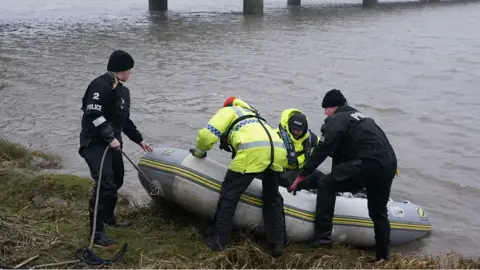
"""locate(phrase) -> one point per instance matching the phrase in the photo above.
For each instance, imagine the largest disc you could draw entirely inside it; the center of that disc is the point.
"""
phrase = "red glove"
(297, 181)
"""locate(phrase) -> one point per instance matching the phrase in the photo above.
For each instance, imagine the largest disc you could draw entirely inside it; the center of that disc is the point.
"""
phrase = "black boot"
(381, 247)
(110, 219)
(321, 241)
(100, 238)
(381, 253)
(214, 243)
(276, 250)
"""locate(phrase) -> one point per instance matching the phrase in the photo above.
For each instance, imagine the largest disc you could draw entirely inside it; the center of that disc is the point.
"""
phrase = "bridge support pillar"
(294, 2)
(158, 5)
(252, 6)
(369, 3)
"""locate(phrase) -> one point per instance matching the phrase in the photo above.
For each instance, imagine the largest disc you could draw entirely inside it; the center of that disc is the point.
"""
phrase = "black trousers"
(350, 177)
(112, 180)
(233, 186)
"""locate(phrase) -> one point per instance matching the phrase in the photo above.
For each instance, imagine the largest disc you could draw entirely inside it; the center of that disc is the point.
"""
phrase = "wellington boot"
(321, 242)
(101, 239)
(214, 243)
(277, 251)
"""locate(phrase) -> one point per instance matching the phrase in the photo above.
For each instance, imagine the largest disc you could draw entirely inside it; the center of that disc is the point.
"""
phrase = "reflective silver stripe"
(238, 111)
(244, 146)
(100, 120)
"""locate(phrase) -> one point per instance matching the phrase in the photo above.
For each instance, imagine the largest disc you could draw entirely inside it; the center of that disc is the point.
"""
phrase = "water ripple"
(414, 73)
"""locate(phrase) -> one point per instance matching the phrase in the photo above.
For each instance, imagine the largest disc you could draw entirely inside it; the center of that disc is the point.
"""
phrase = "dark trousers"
(112, 180)
(350, 177)
(233, 187)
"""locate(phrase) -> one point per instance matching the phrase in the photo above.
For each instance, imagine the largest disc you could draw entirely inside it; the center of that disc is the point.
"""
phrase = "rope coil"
(86, 255)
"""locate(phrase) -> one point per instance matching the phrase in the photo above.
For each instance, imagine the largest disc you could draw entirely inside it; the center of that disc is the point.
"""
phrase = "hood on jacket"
(285, 117)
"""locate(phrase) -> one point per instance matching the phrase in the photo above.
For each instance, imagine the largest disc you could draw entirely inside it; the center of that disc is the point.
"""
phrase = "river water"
(411, 66)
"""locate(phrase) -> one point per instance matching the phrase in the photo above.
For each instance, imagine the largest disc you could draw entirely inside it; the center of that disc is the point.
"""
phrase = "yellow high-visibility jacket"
(248, 139)
(298, 144)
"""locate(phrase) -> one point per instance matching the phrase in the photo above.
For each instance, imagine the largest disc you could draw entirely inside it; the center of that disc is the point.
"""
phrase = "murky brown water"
(413, 67)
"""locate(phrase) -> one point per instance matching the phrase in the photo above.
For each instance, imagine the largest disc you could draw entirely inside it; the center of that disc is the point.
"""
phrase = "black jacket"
(106, 112)
(349, 135)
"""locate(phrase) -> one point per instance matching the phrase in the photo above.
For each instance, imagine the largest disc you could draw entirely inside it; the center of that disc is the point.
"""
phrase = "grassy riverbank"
(46, 215)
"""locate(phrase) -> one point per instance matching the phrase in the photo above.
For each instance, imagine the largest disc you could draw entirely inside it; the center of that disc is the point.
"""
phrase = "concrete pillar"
(294, 2)
(252, 6)
(369, 3)
(158, 5)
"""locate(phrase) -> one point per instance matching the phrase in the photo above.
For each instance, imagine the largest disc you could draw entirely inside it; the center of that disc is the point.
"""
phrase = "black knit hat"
(333, 98)
(298, 121)
(120, 61)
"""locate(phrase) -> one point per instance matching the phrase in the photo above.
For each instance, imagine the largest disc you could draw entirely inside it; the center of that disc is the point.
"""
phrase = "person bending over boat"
(362, 157)
(255, 149)
(299, 141)
(106, 114)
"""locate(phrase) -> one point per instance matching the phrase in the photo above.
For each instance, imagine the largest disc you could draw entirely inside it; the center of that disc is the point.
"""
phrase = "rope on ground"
(26, 261)
(54, 264)
(86, 255)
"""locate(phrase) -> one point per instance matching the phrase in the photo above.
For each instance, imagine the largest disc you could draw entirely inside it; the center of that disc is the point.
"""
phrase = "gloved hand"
(224, 144)
(225, 147)
(295, 186)
(198, 153)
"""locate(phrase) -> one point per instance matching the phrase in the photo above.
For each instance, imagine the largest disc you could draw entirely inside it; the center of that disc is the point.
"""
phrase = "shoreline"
(45, 214)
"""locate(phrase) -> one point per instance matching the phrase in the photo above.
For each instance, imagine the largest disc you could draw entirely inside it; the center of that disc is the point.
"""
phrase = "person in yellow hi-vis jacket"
(256, 149)
(298, 140)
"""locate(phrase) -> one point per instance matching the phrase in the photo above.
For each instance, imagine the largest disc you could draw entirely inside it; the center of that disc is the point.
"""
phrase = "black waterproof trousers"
(350, 177)
(233, 186)
(112, 180)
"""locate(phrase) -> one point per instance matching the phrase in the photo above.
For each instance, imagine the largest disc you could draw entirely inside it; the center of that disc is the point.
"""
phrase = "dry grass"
(16, 155)
(163, 235)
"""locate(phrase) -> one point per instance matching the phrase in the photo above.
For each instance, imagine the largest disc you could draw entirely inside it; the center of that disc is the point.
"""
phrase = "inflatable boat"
(193, 183)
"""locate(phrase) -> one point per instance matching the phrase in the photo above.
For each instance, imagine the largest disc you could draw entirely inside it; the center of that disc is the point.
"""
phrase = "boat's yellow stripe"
(258, 201)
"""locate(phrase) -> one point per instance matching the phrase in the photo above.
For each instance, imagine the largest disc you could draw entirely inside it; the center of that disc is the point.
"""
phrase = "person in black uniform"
(362, 157)
(106, 114)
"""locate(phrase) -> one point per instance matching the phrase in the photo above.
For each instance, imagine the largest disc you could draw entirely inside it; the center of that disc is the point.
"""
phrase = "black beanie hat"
(298, 121)
(333, 98)
(120, 61)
